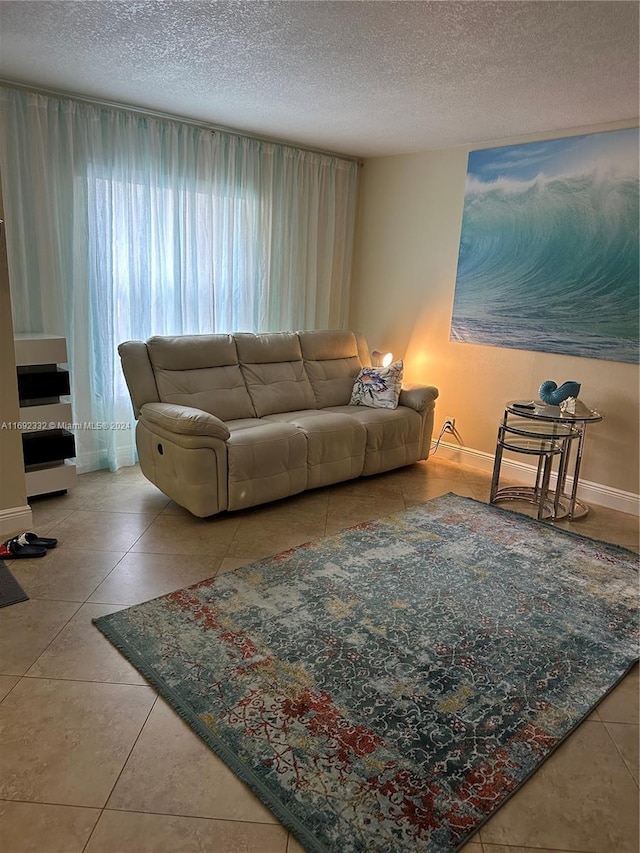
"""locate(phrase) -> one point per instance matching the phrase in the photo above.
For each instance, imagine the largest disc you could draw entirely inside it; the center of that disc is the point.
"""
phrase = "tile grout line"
(618, 750)
(124, 764)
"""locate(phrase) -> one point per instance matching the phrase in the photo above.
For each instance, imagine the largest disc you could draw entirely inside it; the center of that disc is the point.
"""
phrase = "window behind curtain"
(172, 261)
(121, 226)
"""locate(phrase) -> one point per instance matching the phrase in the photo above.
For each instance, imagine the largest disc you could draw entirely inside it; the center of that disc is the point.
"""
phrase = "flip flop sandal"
(13, 550)
(34, 539)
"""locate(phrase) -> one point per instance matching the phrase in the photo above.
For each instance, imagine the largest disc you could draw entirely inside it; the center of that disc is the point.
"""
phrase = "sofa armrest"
(418, 397)
(183, 420)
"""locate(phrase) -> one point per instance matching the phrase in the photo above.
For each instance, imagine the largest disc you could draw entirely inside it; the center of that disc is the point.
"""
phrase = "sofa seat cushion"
(242, 423)
(287, 417)
(265, 462)
(335, 445)
(393, 436)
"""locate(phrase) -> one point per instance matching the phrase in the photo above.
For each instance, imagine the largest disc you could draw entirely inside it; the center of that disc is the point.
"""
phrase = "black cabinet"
(40, 382)
(45, 420)
(41, 447)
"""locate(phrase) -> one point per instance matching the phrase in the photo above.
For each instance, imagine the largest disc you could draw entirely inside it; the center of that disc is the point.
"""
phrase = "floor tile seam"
(78, 601)
(55, 636)
(57, 805)
(474, 840)
(12, 688)
(121, 604)
(476, 474)
(62, 547)
(128, 512)
(93, 829)
(227, 545)
(220, 561)
(84, 680)
(175, 554)
(104, 579)
(45, 528)
(131, 483)
(133, 746)
(50, 803)
(620, 722)
(108, 808)
(324, 532)
(289, 519)
(64, 512)
(619, 751)
(152, 515)
(289, 528)
(490, 847)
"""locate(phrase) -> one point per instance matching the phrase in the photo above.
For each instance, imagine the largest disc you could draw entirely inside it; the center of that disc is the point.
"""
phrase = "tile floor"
(92, 760)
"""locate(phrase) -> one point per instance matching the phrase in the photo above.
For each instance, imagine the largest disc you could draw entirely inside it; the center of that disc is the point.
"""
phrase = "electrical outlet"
(450, 425)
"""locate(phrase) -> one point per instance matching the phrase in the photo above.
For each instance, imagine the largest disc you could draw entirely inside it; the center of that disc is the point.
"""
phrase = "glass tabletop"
(540, 428)
(530, 444)
(537, 410)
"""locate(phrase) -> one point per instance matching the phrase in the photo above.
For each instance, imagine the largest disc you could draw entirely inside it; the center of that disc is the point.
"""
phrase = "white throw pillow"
(378, 387)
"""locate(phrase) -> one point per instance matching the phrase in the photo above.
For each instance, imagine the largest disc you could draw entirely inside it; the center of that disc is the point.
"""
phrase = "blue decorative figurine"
(553, 396)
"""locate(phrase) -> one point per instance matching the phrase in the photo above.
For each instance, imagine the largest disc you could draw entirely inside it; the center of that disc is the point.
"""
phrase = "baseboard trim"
(596, 493)
(16, 519)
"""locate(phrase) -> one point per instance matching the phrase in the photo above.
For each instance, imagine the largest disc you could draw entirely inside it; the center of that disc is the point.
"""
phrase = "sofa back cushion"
(138, 374)
(200, 371)
(332, 363)
(274, 373)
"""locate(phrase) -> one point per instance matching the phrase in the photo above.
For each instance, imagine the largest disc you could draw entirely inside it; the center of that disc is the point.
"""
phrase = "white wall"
(406, 251)
(15, 514)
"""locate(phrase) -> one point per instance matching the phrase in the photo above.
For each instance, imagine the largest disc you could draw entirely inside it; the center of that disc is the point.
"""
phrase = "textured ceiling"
(361, 78)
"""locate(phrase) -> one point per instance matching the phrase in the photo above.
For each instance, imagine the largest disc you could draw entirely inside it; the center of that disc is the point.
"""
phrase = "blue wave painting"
(549, 251)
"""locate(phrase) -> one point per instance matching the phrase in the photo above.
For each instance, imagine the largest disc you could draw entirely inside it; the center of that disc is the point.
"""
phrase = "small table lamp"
(381, 359)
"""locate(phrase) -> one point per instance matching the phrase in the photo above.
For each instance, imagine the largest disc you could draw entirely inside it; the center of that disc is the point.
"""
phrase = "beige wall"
(407, 238)
(13, 494)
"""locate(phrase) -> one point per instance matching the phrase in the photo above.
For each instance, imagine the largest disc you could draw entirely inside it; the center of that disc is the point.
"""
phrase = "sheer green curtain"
(121, 226)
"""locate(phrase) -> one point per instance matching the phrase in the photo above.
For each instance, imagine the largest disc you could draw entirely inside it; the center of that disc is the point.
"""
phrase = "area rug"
(387, 688)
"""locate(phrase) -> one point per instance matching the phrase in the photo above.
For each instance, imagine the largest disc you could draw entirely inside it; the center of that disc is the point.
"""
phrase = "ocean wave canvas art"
(549, 250)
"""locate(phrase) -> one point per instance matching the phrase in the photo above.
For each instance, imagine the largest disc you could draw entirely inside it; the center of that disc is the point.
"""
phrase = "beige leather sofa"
(226, 422)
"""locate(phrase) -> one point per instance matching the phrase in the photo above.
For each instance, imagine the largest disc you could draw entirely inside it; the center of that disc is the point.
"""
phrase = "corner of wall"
(15, 514)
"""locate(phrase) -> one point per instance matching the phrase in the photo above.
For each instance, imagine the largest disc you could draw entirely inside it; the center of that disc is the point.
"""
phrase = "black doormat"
(10, 590)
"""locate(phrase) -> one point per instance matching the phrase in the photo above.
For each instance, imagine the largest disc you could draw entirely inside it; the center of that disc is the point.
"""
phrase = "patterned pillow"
(378, 387)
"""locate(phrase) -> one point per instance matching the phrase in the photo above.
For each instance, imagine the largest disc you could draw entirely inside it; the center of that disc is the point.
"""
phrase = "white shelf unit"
(40, 354)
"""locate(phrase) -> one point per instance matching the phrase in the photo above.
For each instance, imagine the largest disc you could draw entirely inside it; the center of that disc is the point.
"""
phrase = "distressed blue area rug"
(386, 689)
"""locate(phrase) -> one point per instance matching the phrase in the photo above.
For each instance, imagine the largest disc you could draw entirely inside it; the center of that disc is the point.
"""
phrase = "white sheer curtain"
(121, 226)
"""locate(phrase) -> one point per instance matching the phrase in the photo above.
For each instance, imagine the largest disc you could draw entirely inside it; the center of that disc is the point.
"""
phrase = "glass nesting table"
(553, 435)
